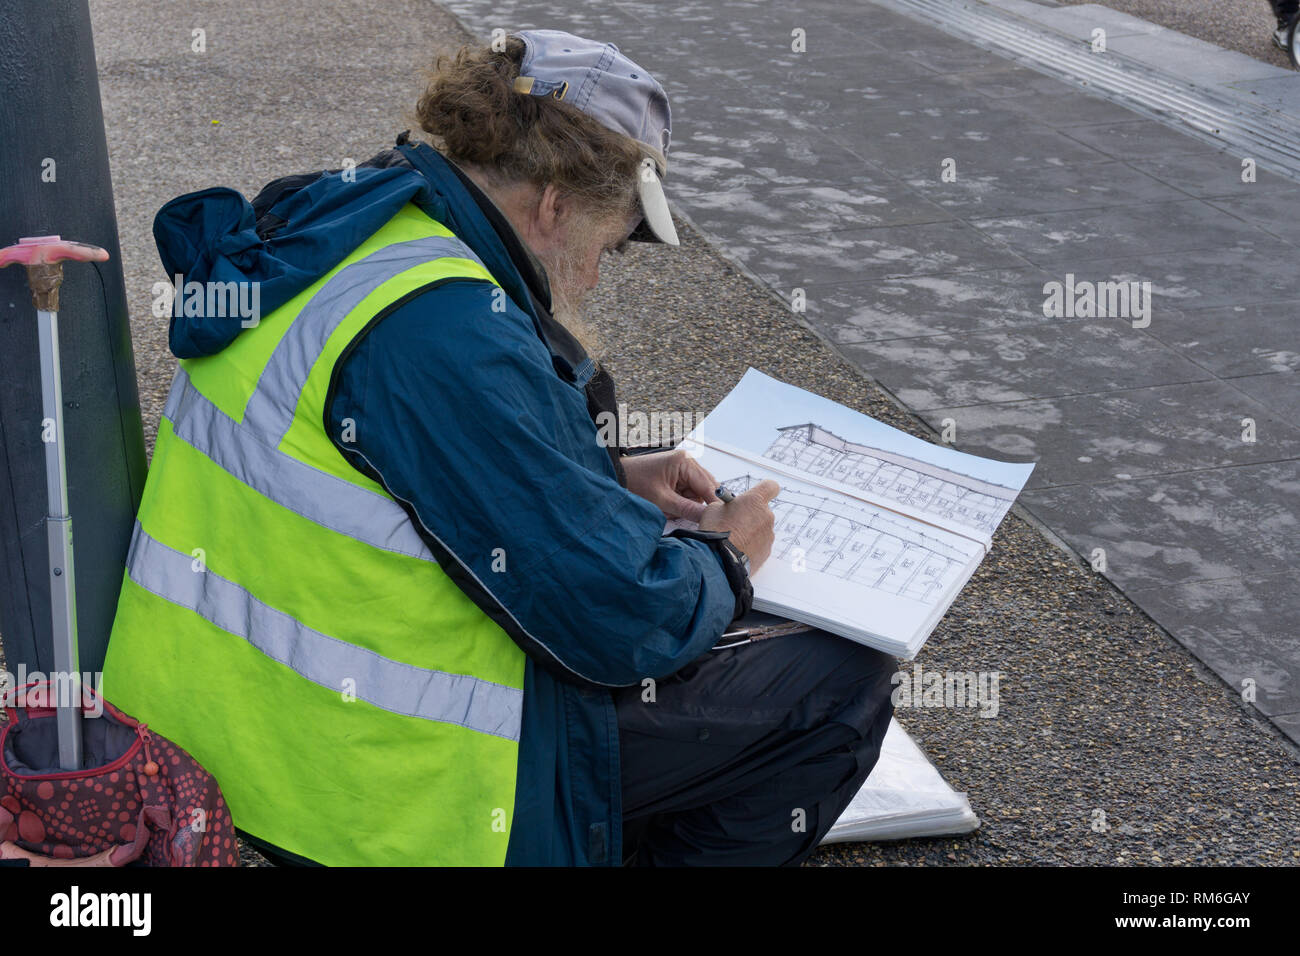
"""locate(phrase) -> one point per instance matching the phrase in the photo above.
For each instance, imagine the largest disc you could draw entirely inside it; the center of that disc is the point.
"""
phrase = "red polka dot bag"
(140, 799)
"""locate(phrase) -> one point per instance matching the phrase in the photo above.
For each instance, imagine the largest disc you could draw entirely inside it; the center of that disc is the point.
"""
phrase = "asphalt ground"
(1242, 25)
(1111, 744)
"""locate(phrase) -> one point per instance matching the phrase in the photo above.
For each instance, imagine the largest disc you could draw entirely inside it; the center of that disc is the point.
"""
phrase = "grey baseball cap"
(606, 85)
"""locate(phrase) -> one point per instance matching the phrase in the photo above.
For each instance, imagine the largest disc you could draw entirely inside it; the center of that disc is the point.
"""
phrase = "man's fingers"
(767, 489)
(690, 510)
(698, 481)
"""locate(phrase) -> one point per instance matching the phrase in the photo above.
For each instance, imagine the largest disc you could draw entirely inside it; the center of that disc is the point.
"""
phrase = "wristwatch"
(734, 562)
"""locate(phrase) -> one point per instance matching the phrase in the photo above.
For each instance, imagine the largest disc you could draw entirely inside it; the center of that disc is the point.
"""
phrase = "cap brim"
(657, 224)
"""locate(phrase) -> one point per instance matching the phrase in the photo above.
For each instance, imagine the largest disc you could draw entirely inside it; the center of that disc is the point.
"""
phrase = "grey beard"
(568, 308)
(582, 331)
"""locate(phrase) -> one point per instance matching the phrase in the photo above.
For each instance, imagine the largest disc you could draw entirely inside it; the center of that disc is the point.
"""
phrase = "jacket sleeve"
(459, 413)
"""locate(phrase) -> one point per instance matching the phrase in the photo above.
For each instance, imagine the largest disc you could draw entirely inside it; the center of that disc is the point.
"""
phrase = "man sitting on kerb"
(437, 619)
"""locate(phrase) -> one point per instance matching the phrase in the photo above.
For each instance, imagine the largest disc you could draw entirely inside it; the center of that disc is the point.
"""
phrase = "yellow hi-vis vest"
(282, 620)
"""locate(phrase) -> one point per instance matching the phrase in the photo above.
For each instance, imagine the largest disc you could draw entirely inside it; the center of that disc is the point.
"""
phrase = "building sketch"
(860, 544)
(887, 476)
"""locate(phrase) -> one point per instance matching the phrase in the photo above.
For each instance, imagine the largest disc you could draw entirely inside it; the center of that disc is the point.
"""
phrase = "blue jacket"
(482, 421)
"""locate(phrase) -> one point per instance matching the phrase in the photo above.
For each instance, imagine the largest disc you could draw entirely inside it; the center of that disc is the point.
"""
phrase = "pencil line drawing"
(971, 502)
(859, 544)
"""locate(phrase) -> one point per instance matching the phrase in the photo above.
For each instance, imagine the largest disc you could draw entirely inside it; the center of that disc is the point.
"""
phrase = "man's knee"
(863, 681)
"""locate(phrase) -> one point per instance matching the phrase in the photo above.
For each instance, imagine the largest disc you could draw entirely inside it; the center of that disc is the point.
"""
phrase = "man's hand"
(673, 481)
(749, 519)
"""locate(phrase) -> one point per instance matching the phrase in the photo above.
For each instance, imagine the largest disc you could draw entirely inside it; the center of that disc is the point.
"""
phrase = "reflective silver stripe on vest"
(475, 704)
(367, 516)
(271, 409)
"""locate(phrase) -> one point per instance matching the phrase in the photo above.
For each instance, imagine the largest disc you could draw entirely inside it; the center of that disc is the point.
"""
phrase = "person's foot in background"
(1285, 10)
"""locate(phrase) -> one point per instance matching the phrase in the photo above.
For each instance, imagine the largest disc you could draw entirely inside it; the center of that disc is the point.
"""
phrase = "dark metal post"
(54, 179)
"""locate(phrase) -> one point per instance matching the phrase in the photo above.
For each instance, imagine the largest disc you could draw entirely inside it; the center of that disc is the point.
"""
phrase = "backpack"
(139, 798)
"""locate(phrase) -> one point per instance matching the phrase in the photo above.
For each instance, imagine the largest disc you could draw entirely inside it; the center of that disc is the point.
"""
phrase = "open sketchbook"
(876, 531)
(905, 796)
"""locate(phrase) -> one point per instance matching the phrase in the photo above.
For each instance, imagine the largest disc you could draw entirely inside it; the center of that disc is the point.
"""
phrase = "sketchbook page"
(905, 796)
(856, 570)
(797, 431)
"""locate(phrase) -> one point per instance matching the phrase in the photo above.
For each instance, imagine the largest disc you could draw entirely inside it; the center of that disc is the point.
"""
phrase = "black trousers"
(1284, 10)
(748, 756)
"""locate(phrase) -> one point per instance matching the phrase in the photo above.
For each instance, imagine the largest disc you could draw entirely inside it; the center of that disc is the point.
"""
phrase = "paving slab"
(901, 96)
(993, 142)
(1278, 391)
(1275, 214)
(1079, 440)
(1041, 361)
(1190, 58)
(1289, 724)
(1235, 340)
(1080, 21)
(1129, 229)
(1216, 174)
(1174, 529)
(998, 191)
(1134, 139)
(795, 261)
(1195, 60)
(753, 208)
(1205, 278)
(1061, 107)
(1279, 92)
(1010, 80)
(916, 306)
(1242, 627)
(773, 144)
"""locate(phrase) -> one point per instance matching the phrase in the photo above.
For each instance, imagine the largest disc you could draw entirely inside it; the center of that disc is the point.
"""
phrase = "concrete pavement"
(1241, 25)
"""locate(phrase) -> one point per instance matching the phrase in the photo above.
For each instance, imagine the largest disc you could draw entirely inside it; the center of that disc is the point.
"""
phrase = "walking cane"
(43, 256)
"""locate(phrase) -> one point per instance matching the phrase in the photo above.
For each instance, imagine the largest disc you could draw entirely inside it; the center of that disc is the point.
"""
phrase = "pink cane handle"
(39, 250)
(44, 257)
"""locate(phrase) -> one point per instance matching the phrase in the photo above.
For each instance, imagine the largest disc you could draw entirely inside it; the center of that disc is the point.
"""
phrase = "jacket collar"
(479, 223)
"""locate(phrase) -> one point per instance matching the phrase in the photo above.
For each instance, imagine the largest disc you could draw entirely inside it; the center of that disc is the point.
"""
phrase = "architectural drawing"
(874, 536)
(859, 544)
(887, 476)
